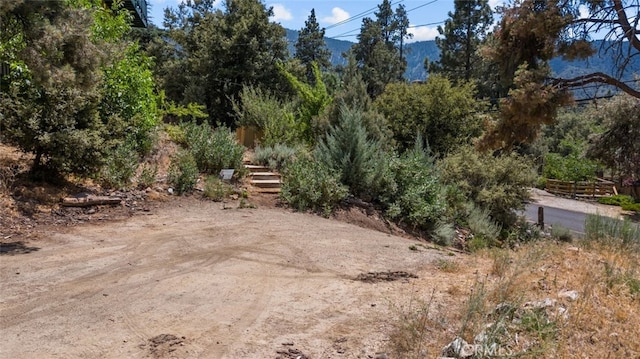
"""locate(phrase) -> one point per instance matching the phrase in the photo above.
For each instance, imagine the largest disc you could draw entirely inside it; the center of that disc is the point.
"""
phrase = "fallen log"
(89, 201)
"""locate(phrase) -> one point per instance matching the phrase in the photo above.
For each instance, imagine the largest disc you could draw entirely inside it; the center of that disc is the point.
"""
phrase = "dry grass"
(502, 304)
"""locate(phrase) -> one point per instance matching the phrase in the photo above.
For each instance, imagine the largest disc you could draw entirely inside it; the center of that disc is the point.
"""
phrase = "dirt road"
(193, 280)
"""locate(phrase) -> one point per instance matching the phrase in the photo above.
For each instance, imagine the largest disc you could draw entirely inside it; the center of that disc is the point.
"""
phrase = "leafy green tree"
(445, 115)
(220, 51)
(314, 99)
(462, 35)
(76, 91)
(311, 47)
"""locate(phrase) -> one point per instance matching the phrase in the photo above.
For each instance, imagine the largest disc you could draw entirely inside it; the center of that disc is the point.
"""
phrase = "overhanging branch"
(596, 77)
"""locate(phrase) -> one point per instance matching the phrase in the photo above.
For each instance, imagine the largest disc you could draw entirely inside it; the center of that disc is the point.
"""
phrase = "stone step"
(267, 190)
(256, 168)
(271, 183)
(264, 176)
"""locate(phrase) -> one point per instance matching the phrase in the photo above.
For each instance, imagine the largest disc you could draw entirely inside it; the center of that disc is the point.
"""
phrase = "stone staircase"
(263, 180)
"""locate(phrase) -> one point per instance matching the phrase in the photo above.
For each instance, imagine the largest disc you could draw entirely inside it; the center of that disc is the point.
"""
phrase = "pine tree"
(463, 33)
(311, 47)
(378, 48)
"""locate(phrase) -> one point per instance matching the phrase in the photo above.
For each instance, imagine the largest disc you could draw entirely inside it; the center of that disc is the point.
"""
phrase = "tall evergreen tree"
(463, 33)
(378, 51)
(223, 50)
(311, 47)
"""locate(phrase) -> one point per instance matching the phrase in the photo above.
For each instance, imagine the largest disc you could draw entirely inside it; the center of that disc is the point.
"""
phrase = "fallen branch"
(89, 201)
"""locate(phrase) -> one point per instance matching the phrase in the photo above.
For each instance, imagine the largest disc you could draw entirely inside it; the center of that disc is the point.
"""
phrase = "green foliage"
(569, 168)
(617, 200)
(611, 231)
(273, 117)
(276, 157)
(310, 185)
(213, 150)
(78, 96)
(415, 196)
(482, 226)
(463, 33)
(311, 47)
(216, 52)
(215, 189)
(348, 151)
(379, 47)
(313, 100)
(444, 233)
(635, 207)
(147, 176)
(618, 146)
(120, 166)
(183, 172)
(445, 115)
(176, 133)
(128, 92)
(561, 233)
(498, 184)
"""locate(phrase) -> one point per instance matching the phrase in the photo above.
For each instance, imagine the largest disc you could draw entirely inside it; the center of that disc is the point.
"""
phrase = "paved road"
(569, 219)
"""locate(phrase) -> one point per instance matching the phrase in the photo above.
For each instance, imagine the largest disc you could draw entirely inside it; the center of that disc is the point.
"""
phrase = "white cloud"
(584, 11)
(337, 15)
(423, 33)
(281, 13)
(494, 3)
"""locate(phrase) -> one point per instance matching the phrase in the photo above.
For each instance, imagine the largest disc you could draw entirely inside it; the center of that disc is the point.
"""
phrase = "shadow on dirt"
(13, 248)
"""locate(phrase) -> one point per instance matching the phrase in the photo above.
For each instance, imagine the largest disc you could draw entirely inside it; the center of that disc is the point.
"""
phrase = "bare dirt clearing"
(192, 280)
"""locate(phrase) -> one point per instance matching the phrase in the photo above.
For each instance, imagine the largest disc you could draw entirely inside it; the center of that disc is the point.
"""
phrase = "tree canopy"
(311, 47)
(529, 35)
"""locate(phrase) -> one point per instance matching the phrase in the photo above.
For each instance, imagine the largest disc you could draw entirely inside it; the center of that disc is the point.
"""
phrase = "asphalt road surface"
(552, 216)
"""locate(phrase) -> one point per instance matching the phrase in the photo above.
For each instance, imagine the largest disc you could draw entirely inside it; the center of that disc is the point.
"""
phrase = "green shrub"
(631, 207)
(213, 150)
(569, 168)
(183, 172)
(147, 176)
(498, 184)
(561, 233)
(309, 184)
(482, 226)
(612, 231)
(444, 233)
(176, 134)
(617, 200)
(348, 151)
(216, 190)
(270, 115)
(120, 166)
(414, 194)
(275, 157)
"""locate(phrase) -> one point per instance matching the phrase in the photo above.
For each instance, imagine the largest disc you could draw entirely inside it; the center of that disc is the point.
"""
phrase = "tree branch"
(629, 31)
(596, 77)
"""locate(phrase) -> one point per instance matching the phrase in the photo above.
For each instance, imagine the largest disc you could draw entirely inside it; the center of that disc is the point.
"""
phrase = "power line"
(358, 16)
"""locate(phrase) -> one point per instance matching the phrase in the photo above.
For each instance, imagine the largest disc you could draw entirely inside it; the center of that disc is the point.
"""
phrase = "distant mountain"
(416, 53)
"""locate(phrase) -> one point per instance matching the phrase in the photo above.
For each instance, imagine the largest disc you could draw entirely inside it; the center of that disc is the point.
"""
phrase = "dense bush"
(444, 114)
(348, 150)
(569, 168)
(310, 185)
(498, 184)
(213, 150)
(617, 200)
(272, 116)
(215, 189)
(415, 196)
(120, 166)
(183, 172)
(275, 157)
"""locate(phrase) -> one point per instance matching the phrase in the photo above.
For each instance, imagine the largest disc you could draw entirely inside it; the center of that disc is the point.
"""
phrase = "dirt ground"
(191, 279)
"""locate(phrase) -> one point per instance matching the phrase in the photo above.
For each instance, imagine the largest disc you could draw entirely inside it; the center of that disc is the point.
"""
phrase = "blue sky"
(424, 15)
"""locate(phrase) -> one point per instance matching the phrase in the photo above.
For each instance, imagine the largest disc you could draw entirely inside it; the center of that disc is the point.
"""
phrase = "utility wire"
(358, 16)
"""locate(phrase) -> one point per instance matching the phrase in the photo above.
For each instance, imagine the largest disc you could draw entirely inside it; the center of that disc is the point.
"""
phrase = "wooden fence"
(580, 189)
